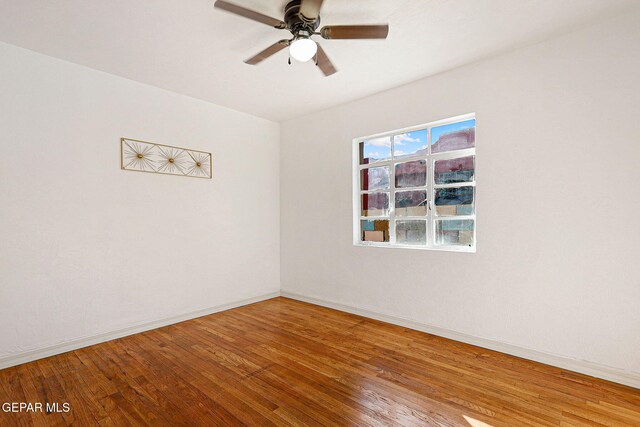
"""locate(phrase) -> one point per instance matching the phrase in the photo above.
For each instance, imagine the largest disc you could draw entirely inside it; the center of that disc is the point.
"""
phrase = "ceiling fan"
(302, 19)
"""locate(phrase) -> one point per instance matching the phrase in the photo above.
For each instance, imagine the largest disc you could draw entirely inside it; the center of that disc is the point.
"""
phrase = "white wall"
(558, 151)
(86, 248)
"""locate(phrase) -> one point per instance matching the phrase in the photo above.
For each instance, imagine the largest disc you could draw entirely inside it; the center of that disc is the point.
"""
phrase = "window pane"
(374, 178)
(455, 170)
(454, 136)
(411, 174)
(411, 203)
(374, 231)
(375, 150)
(410, 144)
(411, 232)
(375, 204)
(454, 201)
(457, 232)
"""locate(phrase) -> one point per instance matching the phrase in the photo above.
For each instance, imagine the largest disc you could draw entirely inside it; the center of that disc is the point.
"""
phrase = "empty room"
(320, 213)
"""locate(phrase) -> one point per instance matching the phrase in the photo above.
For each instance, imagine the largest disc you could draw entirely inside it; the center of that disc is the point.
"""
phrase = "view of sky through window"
(376, 149)
(410, 143)
(437, 132)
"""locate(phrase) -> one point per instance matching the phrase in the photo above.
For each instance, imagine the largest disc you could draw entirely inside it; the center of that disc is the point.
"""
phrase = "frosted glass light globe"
(303, 49)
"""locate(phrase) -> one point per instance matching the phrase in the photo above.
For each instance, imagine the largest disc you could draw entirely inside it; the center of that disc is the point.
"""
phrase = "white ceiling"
(188, 47)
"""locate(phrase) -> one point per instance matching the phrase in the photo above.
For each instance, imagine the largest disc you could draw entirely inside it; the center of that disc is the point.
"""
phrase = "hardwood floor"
(284, 362)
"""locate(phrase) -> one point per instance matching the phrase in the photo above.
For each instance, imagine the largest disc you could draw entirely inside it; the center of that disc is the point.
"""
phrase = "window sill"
(465, 249)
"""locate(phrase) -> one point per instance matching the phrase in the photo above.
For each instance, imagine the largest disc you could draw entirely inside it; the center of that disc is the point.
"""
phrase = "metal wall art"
(142, 156)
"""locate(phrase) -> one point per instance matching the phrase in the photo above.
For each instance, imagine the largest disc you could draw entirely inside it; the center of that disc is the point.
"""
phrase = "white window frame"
(431, 219)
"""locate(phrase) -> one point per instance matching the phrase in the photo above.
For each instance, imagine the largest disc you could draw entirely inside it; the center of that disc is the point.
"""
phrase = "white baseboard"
(631, 379)
(29, 356)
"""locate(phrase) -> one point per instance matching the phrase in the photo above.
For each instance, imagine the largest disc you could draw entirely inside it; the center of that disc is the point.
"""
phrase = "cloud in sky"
(404, 138)
(379, 142)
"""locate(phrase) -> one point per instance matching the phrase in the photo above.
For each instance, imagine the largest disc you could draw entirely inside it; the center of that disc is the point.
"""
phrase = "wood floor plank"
(287, 363)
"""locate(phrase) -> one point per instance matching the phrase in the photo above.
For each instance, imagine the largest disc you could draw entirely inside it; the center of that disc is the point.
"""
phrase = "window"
(416, 188)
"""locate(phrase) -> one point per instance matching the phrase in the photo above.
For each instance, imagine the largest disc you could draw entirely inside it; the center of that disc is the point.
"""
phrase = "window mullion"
(430, 193)
(392, 196)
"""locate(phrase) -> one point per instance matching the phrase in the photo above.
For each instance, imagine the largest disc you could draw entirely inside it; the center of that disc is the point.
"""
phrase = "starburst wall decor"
(142, 156)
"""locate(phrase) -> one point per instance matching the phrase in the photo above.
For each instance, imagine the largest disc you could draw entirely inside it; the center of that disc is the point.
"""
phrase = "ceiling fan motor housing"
(296, 22)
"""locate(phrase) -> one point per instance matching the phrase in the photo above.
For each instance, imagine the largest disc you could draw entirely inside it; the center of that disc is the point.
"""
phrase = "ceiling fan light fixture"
(302, 20)
(303, 49)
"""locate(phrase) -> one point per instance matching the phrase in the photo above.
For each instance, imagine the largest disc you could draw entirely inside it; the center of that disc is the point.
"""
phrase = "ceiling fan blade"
(324, 63)
(271, 50)
(247, 13)
(310, 9)
(334, 32)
